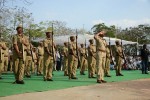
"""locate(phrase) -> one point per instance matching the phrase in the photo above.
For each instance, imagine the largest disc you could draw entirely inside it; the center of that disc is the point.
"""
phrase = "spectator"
(144, 55)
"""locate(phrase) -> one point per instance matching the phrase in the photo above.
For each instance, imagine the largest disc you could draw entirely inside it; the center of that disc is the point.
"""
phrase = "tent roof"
(81, 39)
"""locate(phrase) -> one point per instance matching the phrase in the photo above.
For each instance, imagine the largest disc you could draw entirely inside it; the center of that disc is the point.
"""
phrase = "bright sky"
(79, 13)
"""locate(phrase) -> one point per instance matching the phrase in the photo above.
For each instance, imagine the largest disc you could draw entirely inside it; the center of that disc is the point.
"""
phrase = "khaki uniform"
(107, 67)
(34, 62)
(40, 60)
(6, 54)
(19, 61)
(83, 60)
(118, 59)
(28, 62)
(100, 57)
(48, 59)
(91, 60)
(65, 62)
(72, 60)
(1, 57)
(11, 62)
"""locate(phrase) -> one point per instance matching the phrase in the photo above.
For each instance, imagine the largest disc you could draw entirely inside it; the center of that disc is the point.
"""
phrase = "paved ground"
(130, 90)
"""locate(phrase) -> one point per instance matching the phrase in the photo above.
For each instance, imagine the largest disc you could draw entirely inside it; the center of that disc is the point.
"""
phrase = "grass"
(36, 83)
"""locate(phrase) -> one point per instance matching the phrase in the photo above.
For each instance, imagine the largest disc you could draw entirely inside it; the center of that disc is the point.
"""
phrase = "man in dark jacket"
(144, 56)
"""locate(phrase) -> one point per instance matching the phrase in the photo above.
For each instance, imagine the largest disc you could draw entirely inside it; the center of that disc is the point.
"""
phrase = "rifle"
(77, 48)
(85, 49)
(1, 47)
(53, 45)
(76, 43)
(68, 50)
(23, 49)
(30, 45)
(111, 52)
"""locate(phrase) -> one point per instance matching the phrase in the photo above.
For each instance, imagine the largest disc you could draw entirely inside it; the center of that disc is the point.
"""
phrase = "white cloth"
(57, 56)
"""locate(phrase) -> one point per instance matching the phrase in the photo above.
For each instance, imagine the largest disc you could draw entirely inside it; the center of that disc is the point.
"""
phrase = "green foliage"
(110, 29)
(140, 34)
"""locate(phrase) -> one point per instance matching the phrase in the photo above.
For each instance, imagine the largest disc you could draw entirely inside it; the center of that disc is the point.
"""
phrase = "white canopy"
(59, 40)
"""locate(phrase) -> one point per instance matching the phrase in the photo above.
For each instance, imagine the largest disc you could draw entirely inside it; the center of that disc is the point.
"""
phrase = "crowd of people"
(24, 59)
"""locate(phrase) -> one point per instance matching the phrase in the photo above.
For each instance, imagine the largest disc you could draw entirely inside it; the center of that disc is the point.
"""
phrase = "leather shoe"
(103, 81)
(120, 74)
(99, 81)
(49, 80)
(15, 82)
(74, 78)
(20, 82)
(82, 73)
(28, 76)
(93, 77)
(108, 76)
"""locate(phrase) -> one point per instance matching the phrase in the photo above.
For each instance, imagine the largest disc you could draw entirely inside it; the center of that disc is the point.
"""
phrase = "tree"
(110, 29)
(141, 33)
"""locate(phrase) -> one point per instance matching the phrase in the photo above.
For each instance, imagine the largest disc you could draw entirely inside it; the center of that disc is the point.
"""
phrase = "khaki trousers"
(65, 66)
(40, 65)
(28, 64)
(83, 64)
(91, 66)
(100, 64)
(118, 66)
(72, 65)
(48, 67)
(18, 67)
(107, 67)
(5, 64)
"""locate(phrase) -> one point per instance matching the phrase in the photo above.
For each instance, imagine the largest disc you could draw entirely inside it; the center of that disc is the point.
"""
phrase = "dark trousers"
(144, 66)
(58, 66)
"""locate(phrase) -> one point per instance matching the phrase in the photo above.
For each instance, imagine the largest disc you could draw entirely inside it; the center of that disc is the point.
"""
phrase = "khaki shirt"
(107, 53)
(82, 52)
(48, 44)
(40, 51)
(118, 50)
(92, 50)
(34, 57)
(6, 52)
(72, 46)
(65, 51)
(29, 50)
(101, 45)
(17, 39)
(2, 51)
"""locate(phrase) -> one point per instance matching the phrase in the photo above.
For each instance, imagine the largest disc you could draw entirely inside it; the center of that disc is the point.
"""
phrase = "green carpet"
(36, 83)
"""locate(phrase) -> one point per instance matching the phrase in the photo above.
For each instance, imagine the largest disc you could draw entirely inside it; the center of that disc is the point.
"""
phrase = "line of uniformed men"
(95, 58)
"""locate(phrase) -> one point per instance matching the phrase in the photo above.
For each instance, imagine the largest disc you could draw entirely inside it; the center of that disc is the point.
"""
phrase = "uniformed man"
(65, 59)
(72, 58)
(40, 55)
(2, 48)
(108, 58)
(49, 49)
(6, 54)
(118, 58)
(100, 55)
(83, 59)
(20, 43)
(91, 59)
